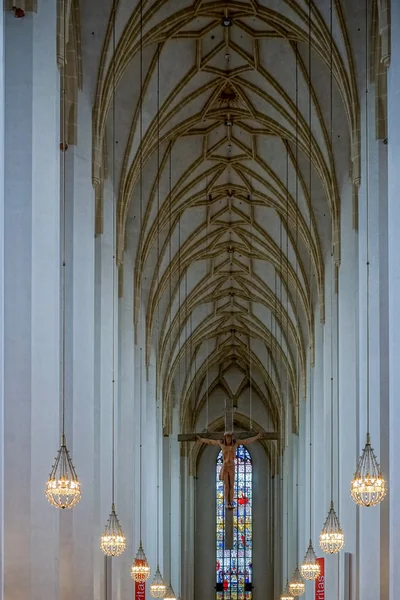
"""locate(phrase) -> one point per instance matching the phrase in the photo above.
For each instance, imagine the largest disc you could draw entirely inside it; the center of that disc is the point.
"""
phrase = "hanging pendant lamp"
(113, 541)
(286, 595)
(158, 587)
(297, 586)
(331, 539)
(140, 569)
(63, 489)
(310, 568)
(170, 594)
(368, 487)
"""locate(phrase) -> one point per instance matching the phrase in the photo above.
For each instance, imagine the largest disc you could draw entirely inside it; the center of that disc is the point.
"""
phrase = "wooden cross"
(192, 437)
(238, 435)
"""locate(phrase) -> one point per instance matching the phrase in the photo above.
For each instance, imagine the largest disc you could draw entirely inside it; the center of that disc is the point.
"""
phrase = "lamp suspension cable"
(113, 541)
(287, 266)
(63, 217)
(368, 487)
(332, 242)
(170, 594)
(63, 488)
(158, 587)
(179, 354)
(331, 539)
(208, 209)
(140, 570)
(287, 273)
(286, 594)
(113, 272)
(310, 568)
(367, 207)
(250, 200)
(141, 283)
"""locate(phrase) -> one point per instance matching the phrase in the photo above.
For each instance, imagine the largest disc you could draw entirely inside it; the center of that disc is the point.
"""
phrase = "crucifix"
(228, 444)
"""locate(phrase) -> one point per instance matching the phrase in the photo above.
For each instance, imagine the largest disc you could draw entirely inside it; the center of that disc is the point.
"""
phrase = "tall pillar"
(127, 498)
(369, 518)
(45, 297)
(176, 504)
(31, 303)
(347, 377)
(394, 297)
(86, 531)
(2, 81)
(103, 388)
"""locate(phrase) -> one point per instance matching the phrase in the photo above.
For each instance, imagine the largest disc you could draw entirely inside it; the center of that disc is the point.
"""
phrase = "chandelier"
(140, 570)
(310, 568)
(286, 595)
(368, 487)
(63, 489)
(297, 586)
(331, 539)
(170, 594)
(113, 541)
(158, 587)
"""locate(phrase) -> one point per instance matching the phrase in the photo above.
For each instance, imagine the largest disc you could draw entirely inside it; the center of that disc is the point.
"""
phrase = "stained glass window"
(234, 567)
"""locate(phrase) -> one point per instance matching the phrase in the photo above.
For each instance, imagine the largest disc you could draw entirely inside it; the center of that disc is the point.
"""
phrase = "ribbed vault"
(231, 180)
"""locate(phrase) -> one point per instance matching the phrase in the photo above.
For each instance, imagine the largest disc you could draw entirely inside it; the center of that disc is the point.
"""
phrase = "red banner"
(320, 581)
(140, 591)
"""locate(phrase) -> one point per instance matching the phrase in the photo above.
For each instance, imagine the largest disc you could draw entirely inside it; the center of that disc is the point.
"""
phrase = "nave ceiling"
(229, 225)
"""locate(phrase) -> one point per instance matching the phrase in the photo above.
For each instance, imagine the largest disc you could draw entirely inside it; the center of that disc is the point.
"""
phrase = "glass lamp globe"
(310, 568)
(158, 587)
(113, 541)
(331, 539)
(286, 595)
(63, 489)
(297, 586)
(140, 569)
(368, 487)
(170, 594)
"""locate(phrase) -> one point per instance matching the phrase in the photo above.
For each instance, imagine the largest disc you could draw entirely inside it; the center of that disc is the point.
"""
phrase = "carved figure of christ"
(227, 474)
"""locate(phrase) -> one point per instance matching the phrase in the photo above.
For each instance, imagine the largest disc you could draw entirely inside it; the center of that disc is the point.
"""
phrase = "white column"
(31, 303)
(320, 460)
(187, 529)
(176, 504)
(149, 464)
(369, 518)
(17, 315)
(45, 299)
(86, 532)
(103, 385)
(348, 381)
(394, 297)
(2, 83)
(127, 493)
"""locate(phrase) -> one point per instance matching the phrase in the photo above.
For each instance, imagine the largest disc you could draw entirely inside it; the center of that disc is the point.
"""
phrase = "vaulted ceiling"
(227, 183)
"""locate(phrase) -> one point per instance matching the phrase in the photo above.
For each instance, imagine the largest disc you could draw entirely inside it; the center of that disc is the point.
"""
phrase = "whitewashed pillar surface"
(394, 297)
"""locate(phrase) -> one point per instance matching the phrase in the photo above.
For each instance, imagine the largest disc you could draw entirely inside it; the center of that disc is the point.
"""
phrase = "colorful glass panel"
(234, 567)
